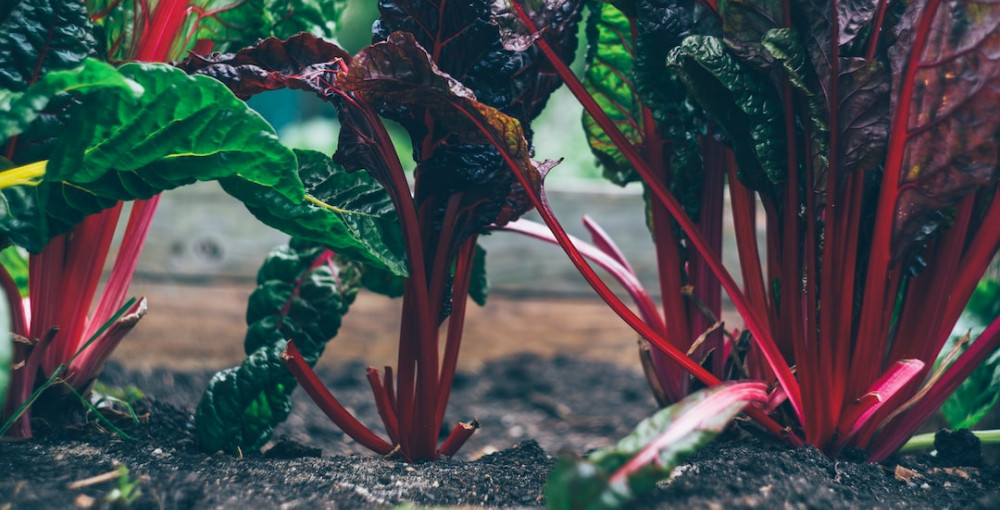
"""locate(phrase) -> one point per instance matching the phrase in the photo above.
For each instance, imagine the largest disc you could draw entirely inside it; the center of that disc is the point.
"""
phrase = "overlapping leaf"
(120, 147)
(124, 27)
(365, 222)
(742, 104)
(744, 23)
(305, 62)
(42, 36)
(399, 72)
(945, 138)
(608, 79)
(466, 44)
(299, 296)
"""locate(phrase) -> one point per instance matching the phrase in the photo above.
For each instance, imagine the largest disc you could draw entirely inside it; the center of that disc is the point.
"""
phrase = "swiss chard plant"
(79, 136)
(867, 132)
(440, 70)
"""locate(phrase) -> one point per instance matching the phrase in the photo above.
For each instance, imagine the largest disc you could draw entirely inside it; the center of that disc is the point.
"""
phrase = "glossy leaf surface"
(120, 147)
(946, 119)
(302, 293)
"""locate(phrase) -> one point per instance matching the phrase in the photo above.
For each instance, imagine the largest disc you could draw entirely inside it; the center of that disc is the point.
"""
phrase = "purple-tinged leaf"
(302, 62)
(946, 111)
(854, 18)
(744, 23)
(398, 72)
(863, 114)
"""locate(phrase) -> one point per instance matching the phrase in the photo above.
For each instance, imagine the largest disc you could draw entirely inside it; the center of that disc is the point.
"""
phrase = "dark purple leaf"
(863, 114)
(474, 142)
(946, 102)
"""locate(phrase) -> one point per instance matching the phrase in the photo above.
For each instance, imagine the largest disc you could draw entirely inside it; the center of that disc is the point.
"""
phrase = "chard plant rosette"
(868, 134)
(79, 136)
(440, 69)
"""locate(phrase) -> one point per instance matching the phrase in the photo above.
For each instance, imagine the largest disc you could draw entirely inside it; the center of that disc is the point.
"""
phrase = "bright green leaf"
(360, 223)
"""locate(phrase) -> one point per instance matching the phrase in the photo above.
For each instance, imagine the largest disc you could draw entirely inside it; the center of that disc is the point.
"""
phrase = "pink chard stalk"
(867, 133)
(64, 308)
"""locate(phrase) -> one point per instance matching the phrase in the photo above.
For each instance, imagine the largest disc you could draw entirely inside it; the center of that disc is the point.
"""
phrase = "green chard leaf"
(361, 222)
(980, 392)
(743, 104)
(361, 218)
(303, 291)
(19, 109)
(39, 36)
(317, 17)
(611, 477)
(608, 79)
(117, 146)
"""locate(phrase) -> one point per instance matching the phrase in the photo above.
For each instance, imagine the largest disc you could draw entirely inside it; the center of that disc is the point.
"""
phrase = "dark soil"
(530, 409)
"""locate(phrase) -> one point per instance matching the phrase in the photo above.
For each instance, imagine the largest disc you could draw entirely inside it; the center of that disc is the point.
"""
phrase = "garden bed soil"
(531, 408)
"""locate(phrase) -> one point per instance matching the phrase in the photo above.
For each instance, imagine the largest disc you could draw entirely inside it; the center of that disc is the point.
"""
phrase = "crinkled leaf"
(364, 225)
(608, 79)
(302, 294)
(661, 25)
(741, 103)
(611, 477)
(305, 62)
(784, 47)
(18, 109)
(854, 17)
(466, 44)
(744, 23)
(398, 72)
(302, 62)
(39, 36)
(945, 136)
(863, 114)
(119, 147)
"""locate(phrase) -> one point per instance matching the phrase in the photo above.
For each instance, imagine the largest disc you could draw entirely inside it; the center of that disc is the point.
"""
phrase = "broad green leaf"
(980, 392)
(119, 147)
(608, 79)
(741, 103)
(39, 36)
(361, 223)
(303, 291)
(611, 477)
(19, 109)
